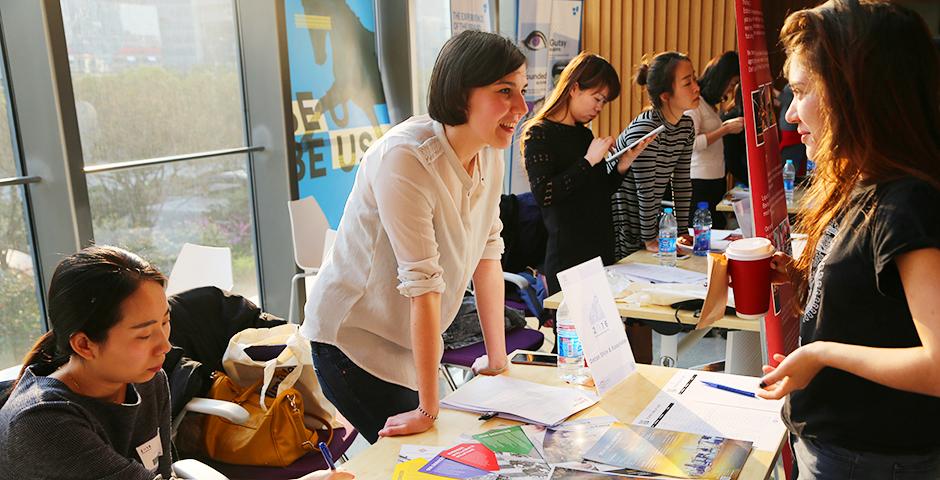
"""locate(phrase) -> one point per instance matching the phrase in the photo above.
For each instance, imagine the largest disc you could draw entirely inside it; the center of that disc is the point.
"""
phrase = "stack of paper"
(656, 273)
(512, 399)
(686, 403)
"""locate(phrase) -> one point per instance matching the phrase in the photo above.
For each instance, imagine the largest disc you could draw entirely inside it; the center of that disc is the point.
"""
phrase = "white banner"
(469, 15)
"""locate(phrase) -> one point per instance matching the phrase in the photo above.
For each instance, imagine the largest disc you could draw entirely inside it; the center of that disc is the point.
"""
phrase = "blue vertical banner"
(533, 29)
(337, 100)
(549, 33)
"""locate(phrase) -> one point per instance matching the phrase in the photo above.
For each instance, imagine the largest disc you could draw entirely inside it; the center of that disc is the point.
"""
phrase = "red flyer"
(473, 454)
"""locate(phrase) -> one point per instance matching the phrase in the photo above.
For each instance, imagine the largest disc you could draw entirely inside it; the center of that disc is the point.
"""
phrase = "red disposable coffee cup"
(749, 266)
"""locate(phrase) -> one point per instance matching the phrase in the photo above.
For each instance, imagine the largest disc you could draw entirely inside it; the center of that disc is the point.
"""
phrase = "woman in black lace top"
(565, 164)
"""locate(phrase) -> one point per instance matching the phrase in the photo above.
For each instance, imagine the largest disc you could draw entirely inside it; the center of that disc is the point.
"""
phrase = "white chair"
(201, 266)
(189, 468)
(309, 231)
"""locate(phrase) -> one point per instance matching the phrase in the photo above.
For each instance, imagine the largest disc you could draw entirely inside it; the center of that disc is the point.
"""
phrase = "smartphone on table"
(544, 359)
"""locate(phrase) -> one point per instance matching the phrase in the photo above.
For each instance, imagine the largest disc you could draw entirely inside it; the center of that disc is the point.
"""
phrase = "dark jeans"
(363, 399)
(709, 191)
(822, 461)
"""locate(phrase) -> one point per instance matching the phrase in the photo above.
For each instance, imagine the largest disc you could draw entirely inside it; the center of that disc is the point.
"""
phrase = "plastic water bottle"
(789, 177)
(668, 231)
(702, 225)
(570, 355)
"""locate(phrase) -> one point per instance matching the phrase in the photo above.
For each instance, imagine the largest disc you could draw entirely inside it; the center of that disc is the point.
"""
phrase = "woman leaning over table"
(862, 390)
(421, 222)
(669, 80)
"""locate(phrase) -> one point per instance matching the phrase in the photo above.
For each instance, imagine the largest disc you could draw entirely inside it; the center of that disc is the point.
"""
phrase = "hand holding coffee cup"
(781, 269)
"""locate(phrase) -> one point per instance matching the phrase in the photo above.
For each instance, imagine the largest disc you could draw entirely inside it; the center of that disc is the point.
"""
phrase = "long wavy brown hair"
(877, 74)
(589, 71)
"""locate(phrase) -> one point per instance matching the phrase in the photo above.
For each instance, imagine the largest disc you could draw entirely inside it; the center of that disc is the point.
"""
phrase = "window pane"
(7, 160)
(432, 29)
(154, 77)
(20, 320)
(152, 211)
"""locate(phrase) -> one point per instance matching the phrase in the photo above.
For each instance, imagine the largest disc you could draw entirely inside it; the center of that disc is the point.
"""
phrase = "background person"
(569, 177)
(565, 165)
(717, 84)
(669, 80)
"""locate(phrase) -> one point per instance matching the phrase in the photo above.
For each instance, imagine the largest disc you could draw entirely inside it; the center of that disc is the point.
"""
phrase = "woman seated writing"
(92, 400)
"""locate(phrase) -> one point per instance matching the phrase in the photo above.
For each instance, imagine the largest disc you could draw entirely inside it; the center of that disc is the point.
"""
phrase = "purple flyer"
(448, 468)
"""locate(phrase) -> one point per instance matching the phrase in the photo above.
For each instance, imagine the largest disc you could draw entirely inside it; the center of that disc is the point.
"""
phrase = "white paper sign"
(591, 305)
(469, 15)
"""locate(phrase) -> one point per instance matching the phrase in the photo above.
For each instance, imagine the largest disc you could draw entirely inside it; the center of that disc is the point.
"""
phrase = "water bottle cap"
(790, 162)
(703, 205)
(667, 210)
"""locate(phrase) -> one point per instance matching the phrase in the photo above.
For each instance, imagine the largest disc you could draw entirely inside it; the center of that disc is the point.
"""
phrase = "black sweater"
(574, 196)
(49, 431)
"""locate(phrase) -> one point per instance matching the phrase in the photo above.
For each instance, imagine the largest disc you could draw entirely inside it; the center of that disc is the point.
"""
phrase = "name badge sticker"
(150, 452)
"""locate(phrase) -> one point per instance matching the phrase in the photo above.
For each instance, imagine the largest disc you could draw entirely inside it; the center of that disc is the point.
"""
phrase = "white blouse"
(708, 161)
(415, 222)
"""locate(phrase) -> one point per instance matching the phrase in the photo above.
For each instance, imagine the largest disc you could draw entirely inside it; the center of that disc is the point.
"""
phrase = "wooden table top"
(624, 402)
(665, 313)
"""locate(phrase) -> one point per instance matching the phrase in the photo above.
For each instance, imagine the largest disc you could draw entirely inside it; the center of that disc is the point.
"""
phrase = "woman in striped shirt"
(670, 82)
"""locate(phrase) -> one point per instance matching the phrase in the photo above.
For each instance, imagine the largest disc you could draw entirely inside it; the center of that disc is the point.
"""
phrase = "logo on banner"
(762, 105)
(338, 104)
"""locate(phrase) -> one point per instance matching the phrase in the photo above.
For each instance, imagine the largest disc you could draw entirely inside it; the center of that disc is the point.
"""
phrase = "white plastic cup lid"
(748, 249)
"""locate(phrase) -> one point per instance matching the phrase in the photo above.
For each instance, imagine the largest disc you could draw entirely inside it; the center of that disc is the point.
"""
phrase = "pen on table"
(488, 415)
(729, 389)
(327, 455)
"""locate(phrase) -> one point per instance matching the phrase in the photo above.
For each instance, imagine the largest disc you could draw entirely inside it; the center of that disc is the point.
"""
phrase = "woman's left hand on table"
(483, 366)
(406, 423)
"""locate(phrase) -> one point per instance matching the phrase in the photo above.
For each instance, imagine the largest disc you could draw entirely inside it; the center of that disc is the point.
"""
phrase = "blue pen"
(327, 455)
(729, 389)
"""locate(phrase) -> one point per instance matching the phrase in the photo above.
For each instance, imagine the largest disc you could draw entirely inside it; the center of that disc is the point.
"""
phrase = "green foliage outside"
(141, 113)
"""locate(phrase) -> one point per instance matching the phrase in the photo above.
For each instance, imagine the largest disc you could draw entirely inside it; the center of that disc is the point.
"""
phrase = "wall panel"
(624, 31)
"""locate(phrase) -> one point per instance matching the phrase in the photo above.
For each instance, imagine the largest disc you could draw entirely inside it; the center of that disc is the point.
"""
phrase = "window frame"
(50, 143)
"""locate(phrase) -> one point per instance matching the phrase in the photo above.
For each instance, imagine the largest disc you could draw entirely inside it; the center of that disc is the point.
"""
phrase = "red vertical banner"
(765, 171)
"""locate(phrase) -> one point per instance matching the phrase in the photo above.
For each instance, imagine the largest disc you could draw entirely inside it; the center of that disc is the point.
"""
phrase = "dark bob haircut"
(468, 60)
(718, 73)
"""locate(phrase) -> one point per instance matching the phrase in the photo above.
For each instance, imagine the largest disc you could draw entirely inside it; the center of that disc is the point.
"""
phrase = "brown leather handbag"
(274, 435)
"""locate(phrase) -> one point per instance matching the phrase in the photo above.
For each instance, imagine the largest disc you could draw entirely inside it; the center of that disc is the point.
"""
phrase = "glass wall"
(20, 318)
(159, 78)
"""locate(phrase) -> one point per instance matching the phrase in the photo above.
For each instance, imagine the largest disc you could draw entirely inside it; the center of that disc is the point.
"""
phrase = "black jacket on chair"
(202, 322)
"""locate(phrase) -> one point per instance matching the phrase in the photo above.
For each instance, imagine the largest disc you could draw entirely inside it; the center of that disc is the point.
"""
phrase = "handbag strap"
(271, 366)
(301, 430)
(244, 394)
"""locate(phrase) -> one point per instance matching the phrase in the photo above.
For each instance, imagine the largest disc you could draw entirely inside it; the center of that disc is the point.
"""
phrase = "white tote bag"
(293, 367)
